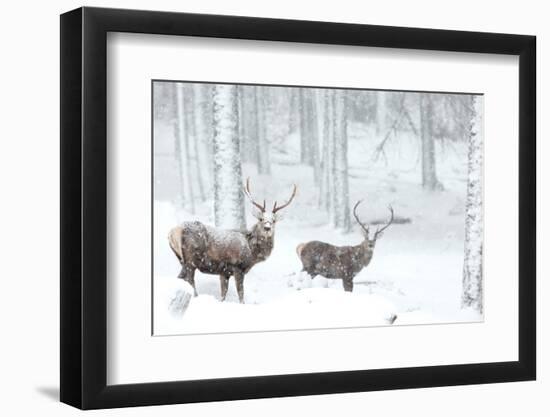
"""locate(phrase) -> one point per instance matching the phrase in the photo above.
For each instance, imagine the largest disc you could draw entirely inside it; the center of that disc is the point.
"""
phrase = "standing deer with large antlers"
(340, 262)
(225, 252)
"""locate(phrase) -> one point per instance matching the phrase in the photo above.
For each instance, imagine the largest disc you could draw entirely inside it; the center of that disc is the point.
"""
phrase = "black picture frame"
(84, 207)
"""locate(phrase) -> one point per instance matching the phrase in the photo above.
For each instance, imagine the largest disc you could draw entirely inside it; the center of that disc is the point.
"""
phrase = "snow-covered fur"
(226, 252)
(340, 262)
(335, 262)
(220, 252)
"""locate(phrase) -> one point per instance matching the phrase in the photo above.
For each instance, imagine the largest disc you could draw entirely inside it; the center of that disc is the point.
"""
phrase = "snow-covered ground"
(415, 274)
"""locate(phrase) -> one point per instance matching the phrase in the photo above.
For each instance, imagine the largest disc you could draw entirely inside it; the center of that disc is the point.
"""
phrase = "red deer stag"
(225, 252)
(340, 262)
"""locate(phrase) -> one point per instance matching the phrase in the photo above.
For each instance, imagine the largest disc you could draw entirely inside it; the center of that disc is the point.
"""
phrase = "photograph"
(280, 208)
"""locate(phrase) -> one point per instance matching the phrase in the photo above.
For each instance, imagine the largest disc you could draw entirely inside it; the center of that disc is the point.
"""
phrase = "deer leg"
(224, 284)
(348, 284)
(188, 274)
(181, 275)
(239, 283)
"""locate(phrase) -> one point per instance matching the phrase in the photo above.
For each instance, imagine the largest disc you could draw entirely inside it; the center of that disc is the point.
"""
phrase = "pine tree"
(228, 196)
(472, 282)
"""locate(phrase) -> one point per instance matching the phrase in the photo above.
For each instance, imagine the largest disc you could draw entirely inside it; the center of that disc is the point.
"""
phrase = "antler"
(247, 193)
(366, 229)
(379, 231)
(276, 209)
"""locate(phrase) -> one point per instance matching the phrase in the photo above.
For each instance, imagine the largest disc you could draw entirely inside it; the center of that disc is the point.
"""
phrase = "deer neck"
(260, 245)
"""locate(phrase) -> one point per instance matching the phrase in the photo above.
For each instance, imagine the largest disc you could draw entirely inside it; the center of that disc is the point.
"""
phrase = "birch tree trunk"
(323, 149)
(381, 113)
(304, 121)
(472, 281)
(340, 169)
(329, 149)
(327, 153)
(228, 196)
(253, 129)
(429, 178)
(244, 123)
(203, 128)
(178, 152)
(191, 113)
(182, 132)
(262, 147)
(313, 136)
(294, 109)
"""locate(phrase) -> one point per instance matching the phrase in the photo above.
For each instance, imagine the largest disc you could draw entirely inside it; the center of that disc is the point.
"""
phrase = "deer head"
(266, 220)
(371, 242)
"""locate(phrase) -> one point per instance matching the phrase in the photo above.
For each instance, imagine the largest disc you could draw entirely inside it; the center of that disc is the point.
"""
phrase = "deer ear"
(278, 216)
(257, 214)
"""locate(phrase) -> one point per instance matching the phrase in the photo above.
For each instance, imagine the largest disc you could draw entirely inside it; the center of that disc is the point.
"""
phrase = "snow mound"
(309, 308)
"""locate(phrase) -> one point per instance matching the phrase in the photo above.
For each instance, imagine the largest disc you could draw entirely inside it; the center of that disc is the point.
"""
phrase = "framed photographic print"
(259, 207)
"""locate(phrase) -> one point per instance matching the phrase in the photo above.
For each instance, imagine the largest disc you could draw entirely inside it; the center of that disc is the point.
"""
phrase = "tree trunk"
(228, 196)
(304, 142)
(314, 133)
(193, 130)
(472, 281)
(324, 128)
(183, 137)
(329, 150)
(262, 146)
(294, 109)
(429, 178)
(381, 113)
(178, 151)
(341, 187)
(246, 125)
(203, 141)
(327, 153)
(332, 153)
(204, 123)
(253, 129)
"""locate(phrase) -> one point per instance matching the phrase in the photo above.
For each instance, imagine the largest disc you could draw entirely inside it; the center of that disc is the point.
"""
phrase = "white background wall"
(29, 176)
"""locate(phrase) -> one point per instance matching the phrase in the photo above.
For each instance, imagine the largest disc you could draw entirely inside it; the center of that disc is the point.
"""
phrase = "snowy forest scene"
(293, 208)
